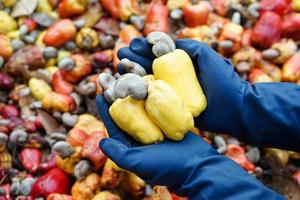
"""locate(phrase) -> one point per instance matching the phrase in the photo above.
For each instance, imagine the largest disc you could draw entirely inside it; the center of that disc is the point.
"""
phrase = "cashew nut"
(63, 149)
(270, 54)
(253, 154)
(82, 169)
(107, 82)
(221, 144)
(17, 136)
(26, 185)
(162, 43)
(133, 67)
(133, 85)
(69, 119)
(253, 9)
(226, 44)
(3, 138)
(86, 88)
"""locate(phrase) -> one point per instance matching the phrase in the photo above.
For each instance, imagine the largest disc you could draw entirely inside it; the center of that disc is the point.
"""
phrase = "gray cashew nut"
(162, 43)
(133, 85)
(107, 82)
(133, 67)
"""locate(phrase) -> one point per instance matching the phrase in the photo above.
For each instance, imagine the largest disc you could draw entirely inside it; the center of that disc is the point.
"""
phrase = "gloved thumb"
(192, 47)
(115, 150)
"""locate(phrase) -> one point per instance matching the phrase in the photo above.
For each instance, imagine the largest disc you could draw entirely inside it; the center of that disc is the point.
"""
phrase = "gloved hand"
(190, 168)
(264, 114)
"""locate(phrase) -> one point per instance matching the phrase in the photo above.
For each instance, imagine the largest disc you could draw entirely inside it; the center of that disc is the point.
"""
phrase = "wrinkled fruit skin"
(164, 101)
(112, 175)
(92, 151)
(87, 188)
(54, 181)
(178, 70)
(59, 33)
(27, 58)
(130, 115)
(77, 137)
(89, 124)
(267, 30)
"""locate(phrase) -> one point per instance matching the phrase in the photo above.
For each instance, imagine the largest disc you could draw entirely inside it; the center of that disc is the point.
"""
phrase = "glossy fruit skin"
(68, 8)
(59, 33)
(196, 14)
(267, 30)
(77, 137)
(31, 159)
(157, 18)
(54, 181)
(60, 85)
(291, 26)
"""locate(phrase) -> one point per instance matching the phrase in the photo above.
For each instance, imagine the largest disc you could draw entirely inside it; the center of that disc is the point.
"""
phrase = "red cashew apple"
(54, 181)
(267, 30)
(196, 14)
(30, 159)
(60, 85)
(278, 6)
(237, 154)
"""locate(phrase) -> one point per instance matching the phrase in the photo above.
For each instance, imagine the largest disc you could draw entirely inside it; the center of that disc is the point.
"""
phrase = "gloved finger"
(120, 69)
(115, 150)
(141, 47)
(125, 52)
(113, 130)
(208, 60)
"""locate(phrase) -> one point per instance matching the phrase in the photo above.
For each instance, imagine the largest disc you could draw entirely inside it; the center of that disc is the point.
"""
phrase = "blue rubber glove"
(264, 114)
(190, 168)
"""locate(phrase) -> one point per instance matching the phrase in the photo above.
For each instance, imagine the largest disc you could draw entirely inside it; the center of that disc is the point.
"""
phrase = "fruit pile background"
(51, 52)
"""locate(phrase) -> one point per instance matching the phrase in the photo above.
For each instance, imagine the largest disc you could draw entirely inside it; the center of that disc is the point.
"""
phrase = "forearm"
(271, 115)
(210, 181)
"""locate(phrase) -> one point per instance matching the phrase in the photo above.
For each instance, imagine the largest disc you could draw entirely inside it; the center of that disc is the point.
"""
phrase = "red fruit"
(60, 85)
(38, 123)
(157, 18)
(102, 58)
(4, 129)
(15, 122)
(30, 159)
(196, 14)
(55, 181)
(29, 126)
(291, 26)
(246, 37)
(49, 164)
(220, 6)
(68, 8)
(9, 111)
(6, 188)
(111, 7)
(6, 82)
(267, 30)
(77, 137)
(59, 33)
(92, 151)
(237, 154)
(31, 24)
(278, 6)
(175, 197)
